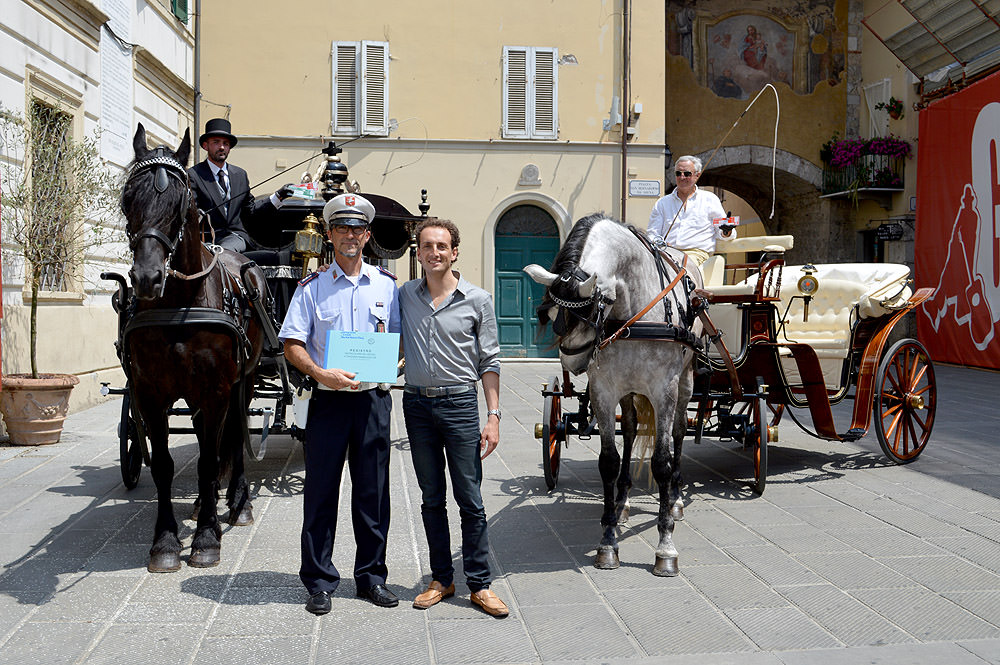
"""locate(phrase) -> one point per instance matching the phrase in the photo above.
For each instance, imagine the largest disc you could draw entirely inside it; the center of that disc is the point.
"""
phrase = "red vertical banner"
(958, 225)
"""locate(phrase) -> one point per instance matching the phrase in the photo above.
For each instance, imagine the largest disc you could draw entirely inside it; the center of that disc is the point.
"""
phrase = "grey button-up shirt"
(452, 345)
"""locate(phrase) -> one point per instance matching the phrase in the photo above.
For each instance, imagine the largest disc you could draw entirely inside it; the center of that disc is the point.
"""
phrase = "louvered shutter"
(515, 92)
(345, 56)
(374, 88)
(545, 98)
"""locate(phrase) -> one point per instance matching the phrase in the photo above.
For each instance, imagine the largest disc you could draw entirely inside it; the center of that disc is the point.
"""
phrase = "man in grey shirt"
(450, 343)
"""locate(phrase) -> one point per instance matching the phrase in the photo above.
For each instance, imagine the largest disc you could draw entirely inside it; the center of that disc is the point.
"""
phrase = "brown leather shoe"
(436, 592)
(489, 603)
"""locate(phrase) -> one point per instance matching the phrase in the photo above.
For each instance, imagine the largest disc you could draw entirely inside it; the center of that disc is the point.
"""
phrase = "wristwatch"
(493, 412)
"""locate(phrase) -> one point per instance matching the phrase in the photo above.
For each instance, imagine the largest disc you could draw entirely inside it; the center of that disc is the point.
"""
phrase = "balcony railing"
(871, 173)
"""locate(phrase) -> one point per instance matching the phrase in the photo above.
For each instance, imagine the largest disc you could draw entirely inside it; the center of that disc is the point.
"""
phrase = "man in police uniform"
(347, 419)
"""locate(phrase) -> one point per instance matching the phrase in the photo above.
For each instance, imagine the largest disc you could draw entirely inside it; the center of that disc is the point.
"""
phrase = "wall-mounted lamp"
(668, 157)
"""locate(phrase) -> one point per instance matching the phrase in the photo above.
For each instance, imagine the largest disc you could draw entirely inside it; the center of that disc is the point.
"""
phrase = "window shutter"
(180, 9)
(545, 94)
(345, 57)
(515, 92)
(374, 91)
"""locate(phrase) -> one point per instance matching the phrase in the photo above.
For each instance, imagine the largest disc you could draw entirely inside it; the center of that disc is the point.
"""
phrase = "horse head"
(158, 205)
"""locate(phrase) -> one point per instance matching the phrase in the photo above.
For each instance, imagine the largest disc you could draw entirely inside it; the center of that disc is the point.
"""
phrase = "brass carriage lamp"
(808, 286)
(309, 241)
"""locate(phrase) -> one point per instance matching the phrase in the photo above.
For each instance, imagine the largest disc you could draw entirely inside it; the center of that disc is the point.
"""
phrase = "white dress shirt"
(693, 228)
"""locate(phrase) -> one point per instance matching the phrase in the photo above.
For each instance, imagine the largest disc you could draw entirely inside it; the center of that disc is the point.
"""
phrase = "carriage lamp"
(309, 241)
(808, 286)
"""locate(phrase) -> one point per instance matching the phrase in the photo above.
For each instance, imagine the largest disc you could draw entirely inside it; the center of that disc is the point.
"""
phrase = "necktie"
(224, 189)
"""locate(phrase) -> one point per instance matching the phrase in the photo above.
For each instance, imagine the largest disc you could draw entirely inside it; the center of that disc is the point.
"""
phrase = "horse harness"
(239, 304)
(634, 329)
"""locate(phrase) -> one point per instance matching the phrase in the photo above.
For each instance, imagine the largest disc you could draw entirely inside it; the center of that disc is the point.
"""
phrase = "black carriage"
(806, 337)
(283, 246)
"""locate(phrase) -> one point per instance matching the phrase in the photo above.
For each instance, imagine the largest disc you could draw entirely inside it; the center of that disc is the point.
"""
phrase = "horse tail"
(645, 439)
(231, 449)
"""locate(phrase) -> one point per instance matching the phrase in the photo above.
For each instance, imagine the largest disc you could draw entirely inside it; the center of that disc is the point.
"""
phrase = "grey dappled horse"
(603, 276)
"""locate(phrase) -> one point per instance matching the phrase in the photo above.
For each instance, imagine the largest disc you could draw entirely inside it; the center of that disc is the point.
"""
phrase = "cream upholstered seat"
(847, 291)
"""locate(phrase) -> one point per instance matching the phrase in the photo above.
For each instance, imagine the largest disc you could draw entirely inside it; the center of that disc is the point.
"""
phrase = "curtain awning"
(940, 39)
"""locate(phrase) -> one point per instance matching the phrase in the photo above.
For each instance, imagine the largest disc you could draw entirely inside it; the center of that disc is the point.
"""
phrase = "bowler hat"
(218, 127)
(348, 210)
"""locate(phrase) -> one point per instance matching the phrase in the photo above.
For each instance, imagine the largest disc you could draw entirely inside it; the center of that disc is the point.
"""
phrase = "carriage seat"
(847, 291)
(714, 269)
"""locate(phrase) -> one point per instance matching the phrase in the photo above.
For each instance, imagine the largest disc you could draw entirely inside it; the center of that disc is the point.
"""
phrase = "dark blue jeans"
(446, 429)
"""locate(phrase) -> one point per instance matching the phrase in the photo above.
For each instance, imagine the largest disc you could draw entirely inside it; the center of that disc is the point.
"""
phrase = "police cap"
(348, 210)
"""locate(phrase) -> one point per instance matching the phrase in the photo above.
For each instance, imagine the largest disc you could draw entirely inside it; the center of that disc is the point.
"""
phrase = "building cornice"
(81, 18)
(457, 145)
(160, 80)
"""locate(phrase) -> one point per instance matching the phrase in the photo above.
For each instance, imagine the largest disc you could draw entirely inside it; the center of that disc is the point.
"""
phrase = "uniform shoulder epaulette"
(308, 278)
(386, 272)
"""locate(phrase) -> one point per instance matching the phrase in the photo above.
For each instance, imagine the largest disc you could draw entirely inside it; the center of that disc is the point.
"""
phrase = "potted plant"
(893, 107)
(52, 186)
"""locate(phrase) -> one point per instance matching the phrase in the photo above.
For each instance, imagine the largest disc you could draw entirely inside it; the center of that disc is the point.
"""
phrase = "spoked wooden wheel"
(130, 446)
(553, 435)
(759, 436)
(905, 401)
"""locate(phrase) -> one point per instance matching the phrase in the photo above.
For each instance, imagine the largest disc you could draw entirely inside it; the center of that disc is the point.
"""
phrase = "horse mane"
(571, 251)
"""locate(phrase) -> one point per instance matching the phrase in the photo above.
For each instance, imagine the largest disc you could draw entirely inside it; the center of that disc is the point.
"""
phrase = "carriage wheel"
(905, 401)
(130, 446)
(759, 440)
(553, 435)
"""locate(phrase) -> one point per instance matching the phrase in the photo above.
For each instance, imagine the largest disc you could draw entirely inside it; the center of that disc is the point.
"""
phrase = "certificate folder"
(372, 357)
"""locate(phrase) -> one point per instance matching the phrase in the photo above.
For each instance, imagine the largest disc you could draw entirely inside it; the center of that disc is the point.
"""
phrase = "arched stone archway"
(822, 227)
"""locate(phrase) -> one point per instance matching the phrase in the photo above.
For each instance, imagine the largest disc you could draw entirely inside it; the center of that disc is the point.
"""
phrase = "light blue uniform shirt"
(331, 301)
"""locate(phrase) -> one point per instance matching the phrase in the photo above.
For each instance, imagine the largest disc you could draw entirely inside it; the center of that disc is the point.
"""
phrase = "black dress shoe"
(318, 603)
(380, 595)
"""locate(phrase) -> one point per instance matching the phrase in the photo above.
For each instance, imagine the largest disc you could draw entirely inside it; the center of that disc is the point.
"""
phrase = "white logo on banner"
(974, 245)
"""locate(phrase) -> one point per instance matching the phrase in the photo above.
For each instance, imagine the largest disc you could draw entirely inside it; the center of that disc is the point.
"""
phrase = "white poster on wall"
(116, 83)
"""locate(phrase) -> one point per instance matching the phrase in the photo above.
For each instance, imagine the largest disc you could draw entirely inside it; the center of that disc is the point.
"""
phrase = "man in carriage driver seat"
(684, 218)
(348, 420)
(224, 189)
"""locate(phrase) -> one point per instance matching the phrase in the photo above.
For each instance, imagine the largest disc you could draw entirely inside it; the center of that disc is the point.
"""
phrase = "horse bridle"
(168, 167)
(598, 321)
(573, 305)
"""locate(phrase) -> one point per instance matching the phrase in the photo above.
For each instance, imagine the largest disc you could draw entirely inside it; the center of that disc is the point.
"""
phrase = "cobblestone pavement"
(844, 559)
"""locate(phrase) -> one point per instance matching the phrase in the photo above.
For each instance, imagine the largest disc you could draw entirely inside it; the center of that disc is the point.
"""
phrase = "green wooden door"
(517, 295)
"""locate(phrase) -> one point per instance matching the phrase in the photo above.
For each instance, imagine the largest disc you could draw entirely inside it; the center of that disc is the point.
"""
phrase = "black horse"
(191, 334)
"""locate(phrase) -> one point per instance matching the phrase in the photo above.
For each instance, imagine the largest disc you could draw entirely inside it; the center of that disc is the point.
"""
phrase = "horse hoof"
(205, 558)
(665, 566)
(244, 518)
(677, 512)
(607, 558)
(164, 562)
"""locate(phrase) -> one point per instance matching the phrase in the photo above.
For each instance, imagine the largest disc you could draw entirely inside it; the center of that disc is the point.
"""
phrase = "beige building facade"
(108, 65)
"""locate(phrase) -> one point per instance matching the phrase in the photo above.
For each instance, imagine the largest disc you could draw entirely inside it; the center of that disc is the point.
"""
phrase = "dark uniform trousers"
(352, 426)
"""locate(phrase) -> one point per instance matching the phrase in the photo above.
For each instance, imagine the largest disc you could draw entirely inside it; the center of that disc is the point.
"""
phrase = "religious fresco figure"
(754, 49)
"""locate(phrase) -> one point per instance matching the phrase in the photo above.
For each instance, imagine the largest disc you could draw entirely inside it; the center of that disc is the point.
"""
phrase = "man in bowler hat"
(223, 189)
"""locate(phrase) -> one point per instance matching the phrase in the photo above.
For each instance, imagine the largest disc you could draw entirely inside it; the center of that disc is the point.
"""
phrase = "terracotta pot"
(34, 409)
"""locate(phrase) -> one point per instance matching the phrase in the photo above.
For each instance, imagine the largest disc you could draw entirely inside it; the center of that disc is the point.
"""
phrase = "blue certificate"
(371, 356)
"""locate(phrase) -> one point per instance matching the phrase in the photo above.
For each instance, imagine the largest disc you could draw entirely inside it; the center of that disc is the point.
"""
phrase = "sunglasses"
(686, 174)
(356, 230)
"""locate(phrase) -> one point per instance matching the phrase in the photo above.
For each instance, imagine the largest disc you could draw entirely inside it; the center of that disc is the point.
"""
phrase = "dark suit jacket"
(242, 205)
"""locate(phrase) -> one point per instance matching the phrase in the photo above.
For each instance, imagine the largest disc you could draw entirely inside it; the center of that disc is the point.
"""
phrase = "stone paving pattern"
(844, 559)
